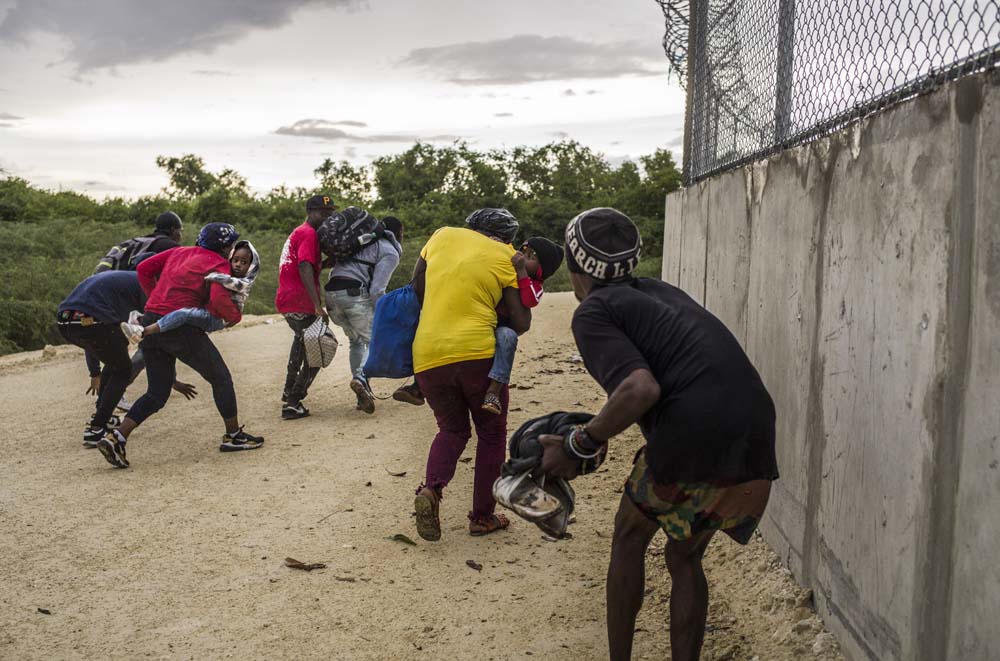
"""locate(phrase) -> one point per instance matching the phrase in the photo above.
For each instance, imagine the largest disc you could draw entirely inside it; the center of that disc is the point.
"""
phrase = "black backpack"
(346, 232)
(127, 254)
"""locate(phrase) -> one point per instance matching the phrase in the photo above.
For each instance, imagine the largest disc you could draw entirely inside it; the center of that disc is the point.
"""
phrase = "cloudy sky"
(92, 91)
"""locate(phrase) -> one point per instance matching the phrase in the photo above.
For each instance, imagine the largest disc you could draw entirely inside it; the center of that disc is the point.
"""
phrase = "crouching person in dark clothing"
(175, 279)
(669, 365)
(90, 318)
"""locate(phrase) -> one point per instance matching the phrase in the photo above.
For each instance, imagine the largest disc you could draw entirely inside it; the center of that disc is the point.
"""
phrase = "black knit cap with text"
(603, 243)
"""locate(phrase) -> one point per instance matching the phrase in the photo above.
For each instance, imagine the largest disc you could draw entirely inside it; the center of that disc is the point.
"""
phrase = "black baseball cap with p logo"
(320, 202)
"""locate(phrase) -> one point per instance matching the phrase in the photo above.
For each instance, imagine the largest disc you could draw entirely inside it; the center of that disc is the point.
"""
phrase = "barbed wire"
(763, 75)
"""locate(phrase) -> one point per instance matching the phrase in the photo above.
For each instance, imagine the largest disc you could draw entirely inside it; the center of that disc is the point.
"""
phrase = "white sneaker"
(132, 331)
(124, 404)
(134, 316)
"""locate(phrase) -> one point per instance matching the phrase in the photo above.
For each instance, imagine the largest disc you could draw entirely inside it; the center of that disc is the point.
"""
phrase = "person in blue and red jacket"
(172, 280)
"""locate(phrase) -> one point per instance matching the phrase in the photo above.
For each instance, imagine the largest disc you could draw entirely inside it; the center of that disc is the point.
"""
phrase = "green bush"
(52, 240)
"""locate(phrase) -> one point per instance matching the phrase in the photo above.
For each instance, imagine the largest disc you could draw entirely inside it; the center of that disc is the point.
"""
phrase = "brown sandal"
(491, 403)
(484, 526)
(426, 506)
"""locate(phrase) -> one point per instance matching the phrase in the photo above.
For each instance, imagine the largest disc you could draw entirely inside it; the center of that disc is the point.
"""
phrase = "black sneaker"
(240, 440)
(112, 446)
(366, 400)
(91, 435)
(294, 411)
(410, 394)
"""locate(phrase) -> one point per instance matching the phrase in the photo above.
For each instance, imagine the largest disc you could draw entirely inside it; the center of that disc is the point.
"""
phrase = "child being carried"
(244, 264)
(535, 262)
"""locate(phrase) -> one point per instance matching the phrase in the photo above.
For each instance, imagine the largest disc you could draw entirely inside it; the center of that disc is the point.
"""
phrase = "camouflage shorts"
(685, 509)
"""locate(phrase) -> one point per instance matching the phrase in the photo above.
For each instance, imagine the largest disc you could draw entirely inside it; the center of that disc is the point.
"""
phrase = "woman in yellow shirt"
(461, 276)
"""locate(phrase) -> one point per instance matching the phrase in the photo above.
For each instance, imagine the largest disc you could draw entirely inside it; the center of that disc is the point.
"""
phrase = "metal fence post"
(697, 89)
(784, 78)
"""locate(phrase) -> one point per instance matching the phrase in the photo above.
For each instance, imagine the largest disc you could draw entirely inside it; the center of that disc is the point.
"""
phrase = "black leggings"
(191, 346)
(107, 343)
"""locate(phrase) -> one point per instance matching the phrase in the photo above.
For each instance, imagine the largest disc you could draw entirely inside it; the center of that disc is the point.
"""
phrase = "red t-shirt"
(175, 279)
(302, 245)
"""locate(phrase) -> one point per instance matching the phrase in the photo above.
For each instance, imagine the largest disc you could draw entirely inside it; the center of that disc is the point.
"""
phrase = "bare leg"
(232, 425)
(127, 426)
(627, 576)
(151, 329)
(688, 596)
(495, 387)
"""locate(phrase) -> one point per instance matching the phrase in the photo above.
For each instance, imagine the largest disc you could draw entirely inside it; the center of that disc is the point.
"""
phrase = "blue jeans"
(354, 314)
(503, 359)
(197, 317)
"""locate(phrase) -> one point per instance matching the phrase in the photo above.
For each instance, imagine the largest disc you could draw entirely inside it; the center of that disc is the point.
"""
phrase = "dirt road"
(181, 556)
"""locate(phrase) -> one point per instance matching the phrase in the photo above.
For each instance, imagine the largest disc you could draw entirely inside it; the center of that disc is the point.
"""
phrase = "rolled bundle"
(546, 502)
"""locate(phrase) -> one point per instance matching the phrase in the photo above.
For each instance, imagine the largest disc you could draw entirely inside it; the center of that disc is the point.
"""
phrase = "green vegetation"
(52, 240)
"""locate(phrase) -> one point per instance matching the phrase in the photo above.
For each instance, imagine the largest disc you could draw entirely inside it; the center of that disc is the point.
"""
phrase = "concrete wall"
(862, 274)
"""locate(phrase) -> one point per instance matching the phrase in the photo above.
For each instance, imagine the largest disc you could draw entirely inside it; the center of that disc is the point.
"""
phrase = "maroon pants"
(454, 392)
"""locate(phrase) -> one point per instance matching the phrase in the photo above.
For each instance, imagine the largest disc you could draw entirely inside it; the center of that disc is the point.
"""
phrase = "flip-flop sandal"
(487, 525)
(491, 403)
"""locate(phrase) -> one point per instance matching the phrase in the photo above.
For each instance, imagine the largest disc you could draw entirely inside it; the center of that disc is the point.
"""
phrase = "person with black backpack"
(124, 257)
(364, 253)
(127, 254)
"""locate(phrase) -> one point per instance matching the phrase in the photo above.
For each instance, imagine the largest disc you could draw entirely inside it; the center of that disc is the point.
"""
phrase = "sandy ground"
(181, 556)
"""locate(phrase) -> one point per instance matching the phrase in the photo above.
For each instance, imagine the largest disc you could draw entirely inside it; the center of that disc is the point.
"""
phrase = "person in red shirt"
(172, 280)
(300, 300)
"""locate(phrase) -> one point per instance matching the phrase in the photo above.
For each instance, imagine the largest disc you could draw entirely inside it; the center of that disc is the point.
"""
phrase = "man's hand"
(555, 461)
(321, 312)
(518, 260)
(95, 385)
(186, 389)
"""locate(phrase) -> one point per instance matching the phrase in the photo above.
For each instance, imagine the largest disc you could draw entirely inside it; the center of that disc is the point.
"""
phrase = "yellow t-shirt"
(465, 278)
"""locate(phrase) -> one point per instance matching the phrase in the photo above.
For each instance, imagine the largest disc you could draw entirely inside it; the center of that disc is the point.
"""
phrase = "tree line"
(52, 239)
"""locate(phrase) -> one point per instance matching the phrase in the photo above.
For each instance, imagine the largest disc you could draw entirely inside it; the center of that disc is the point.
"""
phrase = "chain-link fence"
(762, 75)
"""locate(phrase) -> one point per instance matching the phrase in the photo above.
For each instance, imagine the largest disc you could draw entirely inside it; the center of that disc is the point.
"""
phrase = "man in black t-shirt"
(676, 370)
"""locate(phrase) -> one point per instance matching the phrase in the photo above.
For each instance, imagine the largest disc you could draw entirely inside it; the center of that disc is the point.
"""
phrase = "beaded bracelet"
(576, 442)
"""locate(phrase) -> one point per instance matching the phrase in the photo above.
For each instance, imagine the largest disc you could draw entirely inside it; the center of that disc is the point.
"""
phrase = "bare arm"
(638, 393)
(419, 270)
(308, 274)
(520, 316)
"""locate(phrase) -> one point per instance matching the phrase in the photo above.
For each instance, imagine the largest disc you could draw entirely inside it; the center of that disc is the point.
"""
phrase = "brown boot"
(426, 506)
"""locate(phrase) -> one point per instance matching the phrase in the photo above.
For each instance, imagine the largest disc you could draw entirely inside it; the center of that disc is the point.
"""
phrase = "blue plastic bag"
(390, 352)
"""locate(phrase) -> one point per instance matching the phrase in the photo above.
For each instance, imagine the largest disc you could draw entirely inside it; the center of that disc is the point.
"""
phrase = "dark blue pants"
(107, 343)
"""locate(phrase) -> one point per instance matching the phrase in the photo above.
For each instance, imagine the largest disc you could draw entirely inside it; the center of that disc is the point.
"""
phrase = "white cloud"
(213, 73)
(528, 58)
(106, 33)
(327, 130)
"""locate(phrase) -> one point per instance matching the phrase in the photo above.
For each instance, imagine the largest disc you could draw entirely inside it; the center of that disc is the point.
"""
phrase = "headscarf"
(498, 223)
